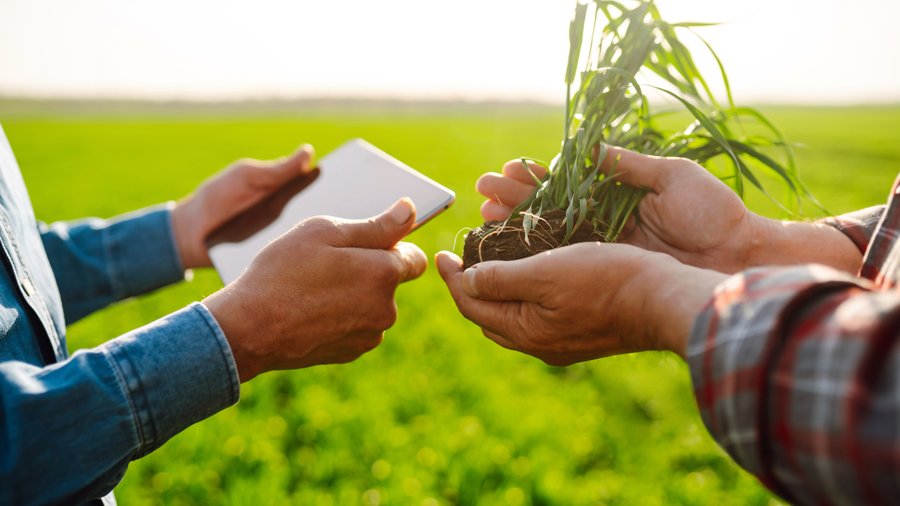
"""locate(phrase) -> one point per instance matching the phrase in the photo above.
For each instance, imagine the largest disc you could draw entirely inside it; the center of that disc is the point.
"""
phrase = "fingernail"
(439, 261)
(401, 211)
(307, 150)
(468, 282)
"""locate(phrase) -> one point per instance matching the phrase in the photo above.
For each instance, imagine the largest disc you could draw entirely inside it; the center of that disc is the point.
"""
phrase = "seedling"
(625, 43)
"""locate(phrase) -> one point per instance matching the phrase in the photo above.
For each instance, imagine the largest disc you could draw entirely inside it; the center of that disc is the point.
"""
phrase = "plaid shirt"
(796, 370)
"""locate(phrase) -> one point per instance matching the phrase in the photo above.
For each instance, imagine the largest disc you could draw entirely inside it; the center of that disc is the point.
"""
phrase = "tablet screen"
(355, 181)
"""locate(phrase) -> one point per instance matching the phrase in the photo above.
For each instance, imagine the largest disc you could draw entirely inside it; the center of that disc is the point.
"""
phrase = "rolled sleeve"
(121, 401)
(858, 226)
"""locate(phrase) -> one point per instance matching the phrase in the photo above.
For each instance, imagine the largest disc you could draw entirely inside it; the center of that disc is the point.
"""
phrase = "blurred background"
(810, 51)
(112, 105)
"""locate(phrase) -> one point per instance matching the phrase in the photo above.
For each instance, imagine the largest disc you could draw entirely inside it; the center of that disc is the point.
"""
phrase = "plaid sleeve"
(796, 371)
(859, 226)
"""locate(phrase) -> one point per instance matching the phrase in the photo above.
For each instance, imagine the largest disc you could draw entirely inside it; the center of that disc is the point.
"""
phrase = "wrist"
(184, 233)
(762, 237)
(790, 243)
(675, 295)
(227, 308)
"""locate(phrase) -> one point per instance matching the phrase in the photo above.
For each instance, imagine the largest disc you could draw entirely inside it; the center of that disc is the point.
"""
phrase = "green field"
(438, 414)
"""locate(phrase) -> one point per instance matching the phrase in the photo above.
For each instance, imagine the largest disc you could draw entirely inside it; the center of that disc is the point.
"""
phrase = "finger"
(379, 232)
(513, 280)
(504, 190)
(301, 162)
(409, 260)
(515, 169)
(502, 341)
(493, 211)
(497, 316)
(275, 174)
(635, 169)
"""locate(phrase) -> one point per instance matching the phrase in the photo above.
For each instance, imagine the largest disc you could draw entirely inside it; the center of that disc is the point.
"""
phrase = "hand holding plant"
(581, 302)
(582, 200)
(687, 212)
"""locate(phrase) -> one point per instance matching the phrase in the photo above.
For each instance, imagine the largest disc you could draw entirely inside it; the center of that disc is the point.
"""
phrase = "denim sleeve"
(69, 430)
(97, 262)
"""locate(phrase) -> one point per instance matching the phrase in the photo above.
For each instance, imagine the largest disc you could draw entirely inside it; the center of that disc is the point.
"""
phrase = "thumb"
(301, 160)
(501, 281)
(382, 231)
(279, 172)
(631, 168)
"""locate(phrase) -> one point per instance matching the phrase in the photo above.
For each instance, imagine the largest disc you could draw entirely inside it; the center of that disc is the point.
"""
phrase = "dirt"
(499, 241)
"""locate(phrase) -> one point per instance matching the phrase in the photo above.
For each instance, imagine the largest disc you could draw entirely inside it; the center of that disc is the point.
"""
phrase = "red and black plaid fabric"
(796, 370)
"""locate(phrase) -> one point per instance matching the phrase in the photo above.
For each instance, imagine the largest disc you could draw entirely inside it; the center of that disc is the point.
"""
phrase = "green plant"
(606, 105)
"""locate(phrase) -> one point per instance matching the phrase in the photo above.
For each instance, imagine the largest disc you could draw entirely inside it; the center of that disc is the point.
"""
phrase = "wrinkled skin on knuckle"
(374, 230)
(529, 325)
(556, 333)
(319, 229)
(517, 328)
(318, 224)
(486, 279)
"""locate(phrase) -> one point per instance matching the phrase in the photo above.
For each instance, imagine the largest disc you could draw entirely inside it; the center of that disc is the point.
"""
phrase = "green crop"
(607, 106)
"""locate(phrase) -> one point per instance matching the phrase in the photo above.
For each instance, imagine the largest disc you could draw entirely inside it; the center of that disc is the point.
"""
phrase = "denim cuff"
(142, 252)
(175, 372)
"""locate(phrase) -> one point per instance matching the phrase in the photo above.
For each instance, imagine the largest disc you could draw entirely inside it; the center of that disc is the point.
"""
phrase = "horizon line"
(329, 101)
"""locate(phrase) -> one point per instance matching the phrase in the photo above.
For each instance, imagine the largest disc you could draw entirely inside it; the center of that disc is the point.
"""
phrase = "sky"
(796, 51)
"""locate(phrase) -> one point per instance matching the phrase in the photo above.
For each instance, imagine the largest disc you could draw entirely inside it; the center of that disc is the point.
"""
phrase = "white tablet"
(355, 181)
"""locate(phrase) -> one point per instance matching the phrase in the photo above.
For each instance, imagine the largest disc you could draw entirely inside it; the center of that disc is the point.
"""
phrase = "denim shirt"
(69, 426)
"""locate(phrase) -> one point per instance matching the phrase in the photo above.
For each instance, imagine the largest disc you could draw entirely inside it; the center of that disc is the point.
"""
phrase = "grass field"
(438, 414)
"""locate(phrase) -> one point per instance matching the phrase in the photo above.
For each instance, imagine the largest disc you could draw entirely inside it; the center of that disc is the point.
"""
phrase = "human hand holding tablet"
(355, 181)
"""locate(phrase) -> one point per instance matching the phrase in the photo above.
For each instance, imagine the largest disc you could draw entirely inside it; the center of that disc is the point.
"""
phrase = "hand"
(689, 214)
(582, 302)
(227, 194)
(321, 293)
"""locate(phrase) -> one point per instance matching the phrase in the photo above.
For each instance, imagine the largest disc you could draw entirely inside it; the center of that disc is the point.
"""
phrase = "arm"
(796, 375)
(795, 369)
(796, 242)
(582, 302)
(83, 420)
(691, 215)
(858, 226)
(97, 262)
